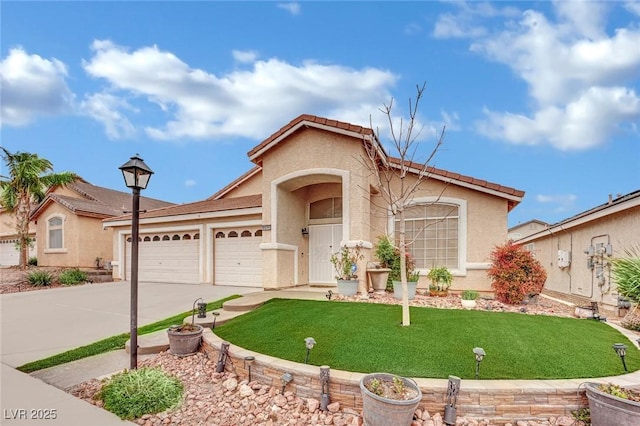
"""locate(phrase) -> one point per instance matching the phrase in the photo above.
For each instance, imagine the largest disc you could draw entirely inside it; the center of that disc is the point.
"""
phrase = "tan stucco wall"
(621, 229)
(84, 239)
(251, 186)
(8, 224)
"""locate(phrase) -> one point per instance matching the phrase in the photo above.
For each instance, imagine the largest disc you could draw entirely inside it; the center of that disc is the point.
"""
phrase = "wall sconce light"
(305, 232)
(309, 342)
(453, 389)
(248, 362)
(621, 350)
(286, 379)
(202, 310)
(215, 316)
(479, 353)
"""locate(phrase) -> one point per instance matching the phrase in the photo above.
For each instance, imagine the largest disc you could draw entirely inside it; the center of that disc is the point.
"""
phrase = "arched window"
(129, 239)
(55, 232)
(175, 237)
(329, 208)
(166, 238)
(245, 233)
(196, 236)
(186, 237)
(156, 238)
(219, 234)
(258, 233)
(147, 238)
(233, 234)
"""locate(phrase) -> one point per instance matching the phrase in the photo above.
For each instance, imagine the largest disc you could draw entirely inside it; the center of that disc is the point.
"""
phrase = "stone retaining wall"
(501, 401)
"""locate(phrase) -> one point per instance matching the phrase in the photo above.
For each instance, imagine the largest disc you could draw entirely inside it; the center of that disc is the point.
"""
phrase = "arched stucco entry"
(286, 254)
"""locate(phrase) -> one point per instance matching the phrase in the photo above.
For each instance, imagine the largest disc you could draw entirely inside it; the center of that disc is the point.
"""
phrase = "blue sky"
(540, 96)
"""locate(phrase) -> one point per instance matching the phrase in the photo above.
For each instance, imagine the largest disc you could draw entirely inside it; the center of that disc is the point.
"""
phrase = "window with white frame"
(55, 230)
(432, 231)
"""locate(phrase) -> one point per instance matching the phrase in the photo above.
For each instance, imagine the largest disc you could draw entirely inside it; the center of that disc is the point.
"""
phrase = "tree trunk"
(632, 319)
(406, 318)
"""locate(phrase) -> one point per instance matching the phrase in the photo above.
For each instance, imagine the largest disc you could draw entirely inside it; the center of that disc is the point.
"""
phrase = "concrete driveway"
(38, 324)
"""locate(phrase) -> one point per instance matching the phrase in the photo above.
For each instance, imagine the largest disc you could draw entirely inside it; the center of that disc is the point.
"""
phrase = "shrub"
(132, 394)
(469, 295)
(40, 278)
(515, 273)
(33, 261)
(72, 277)
(385, 251)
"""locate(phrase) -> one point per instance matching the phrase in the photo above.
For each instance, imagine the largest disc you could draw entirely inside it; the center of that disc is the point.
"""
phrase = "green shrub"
(40, 278)
(515, 273)
(33, 261)
(72, 277)
(469, 295)
(132, 394)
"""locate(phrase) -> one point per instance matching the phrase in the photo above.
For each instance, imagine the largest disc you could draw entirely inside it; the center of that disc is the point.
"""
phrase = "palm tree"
(626, 274)
(25, 187)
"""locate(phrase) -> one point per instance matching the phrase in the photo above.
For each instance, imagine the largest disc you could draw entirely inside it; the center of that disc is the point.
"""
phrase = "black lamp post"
(621, 350)
(479, 353)
(136, 176)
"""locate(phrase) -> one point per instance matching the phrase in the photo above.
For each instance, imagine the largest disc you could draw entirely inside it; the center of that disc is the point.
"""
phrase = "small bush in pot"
(345, 262)
(469, 295)
(441, 279)
(388, 399)
(611, 404)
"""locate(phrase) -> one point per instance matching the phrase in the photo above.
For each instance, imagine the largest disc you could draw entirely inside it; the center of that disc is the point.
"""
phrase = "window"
(433, 230)
(219, 234)
(55, 233)
(233, 234)
(245, 233)
(329, 208)
(156, 238)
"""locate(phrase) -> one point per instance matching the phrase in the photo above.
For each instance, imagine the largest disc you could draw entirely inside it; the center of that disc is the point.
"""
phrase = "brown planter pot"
(438, 293)
(184, 343)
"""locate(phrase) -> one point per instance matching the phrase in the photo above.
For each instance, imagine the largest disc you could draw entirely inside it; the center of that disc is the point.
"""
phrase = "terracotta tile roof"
(311, 120)
(96, 201)
(205, 206)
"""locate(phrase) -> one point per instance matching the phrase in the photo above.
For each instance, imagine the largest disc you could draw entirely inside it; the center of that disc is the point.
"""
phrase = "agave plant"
(626, 274)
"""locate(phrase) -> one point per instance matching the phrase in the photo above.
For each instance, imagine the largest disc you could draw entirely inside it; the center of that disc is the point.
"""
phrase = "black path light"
(309, 342)
(621, 350)
(215, 316)
(136, 176)
(202, 309)
(248, 362)
(453, 388)
(479, 353)
(193, 309)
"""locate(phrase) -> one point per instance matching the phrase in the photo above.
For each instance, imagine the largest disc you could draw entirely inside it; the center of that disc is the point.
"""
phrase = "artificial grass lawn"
(365, 338)
(114, 342)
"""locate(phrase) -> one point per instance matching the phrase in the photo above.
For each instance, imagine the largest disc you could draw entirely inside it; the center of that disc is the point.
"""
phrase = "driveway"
(39, 324)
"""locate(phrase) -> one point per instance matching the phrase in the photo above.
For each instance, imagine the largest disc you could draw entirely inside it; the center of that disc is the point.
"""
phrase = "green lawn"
(366, 337)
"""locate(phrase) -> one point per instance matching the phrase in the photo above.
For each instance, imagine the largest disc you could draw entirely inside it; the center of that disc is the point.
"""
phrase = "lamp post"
(136, 176)
(621, 350)
(479, 353)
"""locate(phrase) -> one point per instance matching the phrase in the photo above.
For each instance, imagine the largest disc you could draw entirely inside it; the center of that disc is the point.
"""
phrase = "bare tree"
(391, 175)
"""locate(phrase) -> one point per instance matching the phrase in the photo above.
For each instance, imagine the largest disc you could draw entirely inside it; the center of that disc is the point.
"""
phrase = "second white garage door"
(169, 258)
(237, 257)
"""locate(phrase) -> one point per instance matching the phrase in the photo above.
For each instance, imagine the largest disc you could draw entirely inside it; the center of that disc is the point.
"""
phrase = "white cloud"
(633, 6)
(245, 56)
(580, 79)
(189, 183)
(455, 26)
(244, 103)
(31, 86)
(469, 19)
(293, 7)
(560, 202)
(105, 108)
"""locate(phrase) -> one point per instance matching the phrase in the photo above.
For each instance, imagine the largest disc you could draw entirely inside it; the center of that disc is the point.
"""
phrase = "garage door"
(9, 256)
(237, 257)
(171, 258)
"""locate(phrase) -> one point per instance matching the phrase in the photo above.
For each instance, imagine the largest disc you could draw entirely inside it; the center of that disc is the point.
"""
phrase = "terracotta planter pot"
(606, 409)
(381, 411)
(184, 343)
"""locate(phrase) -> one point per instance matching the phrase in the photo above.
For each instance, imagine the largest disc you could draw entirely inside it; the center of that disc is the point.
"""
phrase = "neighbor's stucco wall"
(621, 230)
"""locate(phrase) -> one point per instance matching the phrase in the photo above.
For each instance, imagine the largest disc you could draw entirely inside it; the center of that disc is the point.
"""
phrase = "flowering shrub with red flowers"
(515, 273)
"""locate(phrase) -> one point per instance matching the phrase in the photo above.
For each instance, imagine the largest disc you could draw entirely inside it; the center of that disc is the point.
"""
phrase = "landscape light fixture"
(309, 342)
(286, 379)
(202, 309)
(453, 389)
(136, 176)
(324, 380)
(480, 354)
(621, 350)
(193, 309)
(215, 316)
(248, 362)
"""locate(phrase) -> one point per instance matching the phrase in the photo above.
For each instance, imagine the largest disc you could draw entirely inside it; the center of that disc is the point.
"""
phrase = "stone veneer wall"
(501, 401)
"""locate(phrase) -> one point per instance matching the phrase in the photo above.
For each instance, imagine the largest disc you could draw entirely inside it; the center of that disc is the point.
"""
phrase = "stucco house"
(9, 253)
(576, 251)
(525, 229)
(68, 224)
(308, 193)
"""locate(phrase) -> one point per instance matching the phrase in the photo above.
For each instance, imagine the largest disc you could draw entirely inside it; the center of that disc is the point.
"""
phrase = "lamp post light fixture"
(480, 354)
(309, 342)
(286, 379)
(202, 309)
(136, 176)
(621, 350)
(248, 362)
(193, 309)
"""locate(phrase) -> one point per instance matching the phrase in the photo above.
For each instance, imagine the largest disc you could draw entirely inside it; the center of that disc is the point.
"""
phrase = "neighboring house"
(277, 225)
(68, 224)
(525, 229)
(9, 251)
(576, 251)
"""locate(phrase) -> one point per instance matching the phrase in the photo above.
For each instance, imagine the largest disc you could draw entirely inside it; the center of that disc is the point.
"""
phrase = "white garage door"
(237, 257)
(172, 258)
(10, 256)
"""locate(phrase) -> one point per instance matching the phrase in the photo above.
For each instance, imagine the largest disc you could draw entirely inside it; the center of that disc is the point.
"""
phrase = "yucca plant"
(40, 278)
(626, 274)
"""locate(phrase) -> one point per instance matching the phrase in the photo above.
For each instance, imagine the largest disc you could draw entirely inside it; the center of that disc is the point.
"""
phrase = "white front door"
(324, 240)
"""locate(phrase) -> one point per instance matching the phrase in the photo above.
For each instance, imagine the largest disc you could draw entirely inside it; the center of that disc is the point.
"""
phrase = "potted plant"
(412, 279)
(441, 279)
(388, 399)
(184, 340)
(469, 298)
(612, 405)
(379, 273)
(345, 263)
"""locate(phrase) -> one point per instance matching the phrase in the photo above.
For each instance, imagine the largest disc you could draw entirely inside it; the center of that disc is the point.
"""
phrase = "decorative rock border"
(501, 401)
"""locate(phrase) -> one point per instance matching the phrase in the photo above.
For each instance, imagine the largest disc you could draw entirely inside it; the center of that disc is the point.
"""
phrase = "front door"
(324, 240)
